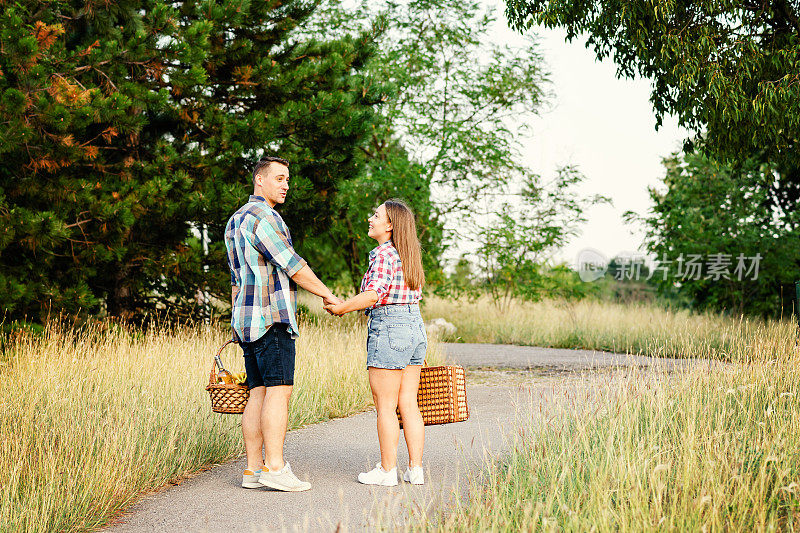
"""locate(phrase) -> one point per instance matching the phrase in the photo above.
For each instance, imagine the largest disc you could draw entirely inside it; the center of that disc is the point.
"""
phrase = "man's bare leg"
(274, 422)
(251, 428)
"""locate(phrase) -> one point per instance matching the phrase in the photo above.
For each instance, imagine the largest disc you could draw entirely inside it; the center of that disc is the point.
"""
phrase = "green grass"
(636, 329)
(91, 419)
(714, 449)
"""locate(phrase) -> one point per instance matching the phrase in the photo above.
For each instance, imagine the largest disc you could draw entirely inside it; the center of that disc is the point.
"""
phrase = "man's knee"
(279, 392)
(257, 393)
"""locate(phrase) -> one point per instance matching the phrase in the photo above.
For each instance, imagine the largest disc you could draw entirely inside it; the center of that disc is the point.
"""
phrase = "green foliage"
(461, 96)
(728, 70)
(615, 287)
(130, 125)
(130, 128)
(390, 174)
(516, 239)
(445, 132)
(462, 283)
(709, 208)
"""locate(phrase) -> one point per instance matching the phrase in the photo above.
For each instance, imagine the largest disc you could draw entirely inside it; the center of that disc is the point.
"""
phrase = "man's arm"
(306, 278)
(275, 246)
(234, 292)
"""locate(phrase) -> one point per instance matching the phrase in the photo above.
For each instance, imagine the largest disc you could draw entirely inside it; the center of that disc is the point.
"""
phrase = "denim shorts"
(269, 361)
(396, 336)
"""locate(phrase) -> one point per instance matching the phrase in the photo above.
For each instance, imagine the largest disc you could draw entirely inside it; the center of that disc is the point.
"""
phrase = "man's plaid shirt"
(262, 262)
(385, 277)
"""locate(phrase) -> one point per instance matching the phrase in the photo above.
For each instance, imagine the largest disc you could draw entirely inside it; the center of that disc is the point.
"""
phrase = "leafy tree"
(130, 124)
(446, 136)
(727, 69)
(626, 269)
(462, 272)
(708, 215)
(626, 281)
(516, 239)
(462, 96)
(392, 174)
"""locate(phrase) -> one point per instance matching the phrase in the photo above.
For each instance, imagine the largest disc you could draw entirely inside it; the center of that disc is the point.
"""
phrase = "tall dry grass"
(89, 419)
(713, 449)
(637, 328)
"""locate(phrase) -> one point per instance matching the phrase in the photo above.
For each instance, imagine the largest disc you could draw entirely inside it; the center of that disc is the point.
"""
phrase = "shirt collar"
(255, 198)
(380, 248)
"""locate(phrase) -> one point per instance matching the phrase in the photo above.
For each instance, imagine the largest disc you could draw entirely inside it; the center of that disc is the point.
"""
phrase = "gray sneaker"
(283, 479)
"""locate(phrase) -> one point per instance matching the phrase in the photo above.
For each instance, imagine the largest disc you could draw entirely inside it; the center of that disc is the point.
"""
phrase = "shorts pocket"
(372, 344)
(400, 337)
(373, 325)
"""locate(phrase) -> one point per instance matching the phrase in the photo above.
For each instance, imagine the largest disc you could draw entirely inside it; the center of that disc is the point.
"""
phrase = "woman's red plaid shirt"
(385, 277)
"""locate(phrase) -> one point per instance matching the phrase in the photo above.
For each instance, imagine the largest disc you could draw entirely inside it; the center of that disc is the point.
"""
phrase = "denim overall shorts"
(396, 336)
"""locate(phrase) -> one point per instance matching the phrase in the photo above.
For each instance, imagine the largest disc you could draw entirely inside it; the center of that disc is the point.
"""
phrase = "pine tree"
(129, 124)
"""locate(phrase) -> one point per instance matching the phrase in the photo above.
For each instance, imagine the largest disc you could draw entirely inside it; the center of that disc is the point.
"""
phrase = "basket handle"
(212, 377)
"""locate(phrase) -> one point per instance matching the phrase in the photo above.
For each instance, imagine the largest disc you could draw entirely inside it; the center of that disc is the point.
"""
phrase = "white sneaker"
(250, 479)
(283, 479)
(414, 475)
(379, 476)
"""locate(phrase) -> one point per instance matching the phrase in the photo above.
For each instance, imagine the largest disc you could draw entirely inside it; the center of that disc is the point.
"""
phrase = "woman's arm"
(360, 301)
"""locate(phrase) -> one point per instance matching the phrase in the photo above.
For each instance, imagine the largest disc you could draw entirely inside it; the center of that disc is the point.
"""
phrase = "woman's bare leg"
(413, 428)
(385, 385)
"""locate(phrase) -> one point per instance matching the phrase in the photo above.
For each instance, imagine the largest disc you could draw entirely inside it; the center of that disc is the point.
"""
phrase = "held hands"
(336, 310)
(333, 306)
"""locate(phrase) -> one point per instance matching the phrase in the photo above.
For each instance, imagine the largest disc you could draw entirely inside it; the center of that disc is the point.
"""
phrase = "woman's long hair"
(405, 240)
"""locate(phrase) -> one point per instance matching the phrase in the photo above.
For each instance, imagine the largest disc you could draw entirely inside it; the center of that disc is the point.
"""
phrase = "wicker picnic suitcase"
(442, 396)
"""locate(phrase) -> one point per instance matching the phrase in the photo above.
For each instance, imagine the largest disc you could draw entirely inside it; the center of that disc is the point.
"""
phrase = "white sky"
(606, 127)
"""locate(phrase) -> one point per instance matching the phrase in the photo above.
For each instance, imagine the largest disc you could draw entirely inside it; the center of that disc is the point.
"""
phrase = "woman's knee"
(408, 404)
(385, 403)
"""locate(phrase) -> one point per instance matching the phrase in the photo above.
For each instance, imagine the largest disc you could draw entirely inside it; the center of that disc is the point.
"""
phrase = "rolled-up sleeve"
(233, 262)
(274, 245)
(379, 276)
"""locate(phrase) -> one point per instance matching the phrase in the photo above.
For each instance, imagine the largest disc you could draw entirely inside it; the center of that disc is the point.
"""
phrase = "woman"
(396, 340)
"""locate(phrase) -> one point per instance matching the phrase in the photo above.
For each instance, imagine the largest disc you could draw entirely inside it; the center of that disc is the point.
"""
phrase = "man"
(265, 270)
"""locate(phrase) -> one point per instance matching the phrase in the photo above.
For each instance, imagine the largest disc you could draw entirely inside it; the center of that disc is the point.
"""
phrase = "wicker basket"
(227, 398)
(442, 396)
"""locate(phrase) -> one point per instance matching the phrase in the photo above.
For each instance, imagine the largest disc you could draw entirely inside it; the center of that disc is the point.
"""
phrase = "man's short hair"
(265, 162)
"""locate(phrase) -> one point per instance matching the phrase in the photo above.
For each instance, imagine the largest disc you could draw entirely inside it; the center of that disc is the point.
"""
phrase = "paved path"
(331, 454)
(550, 359)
